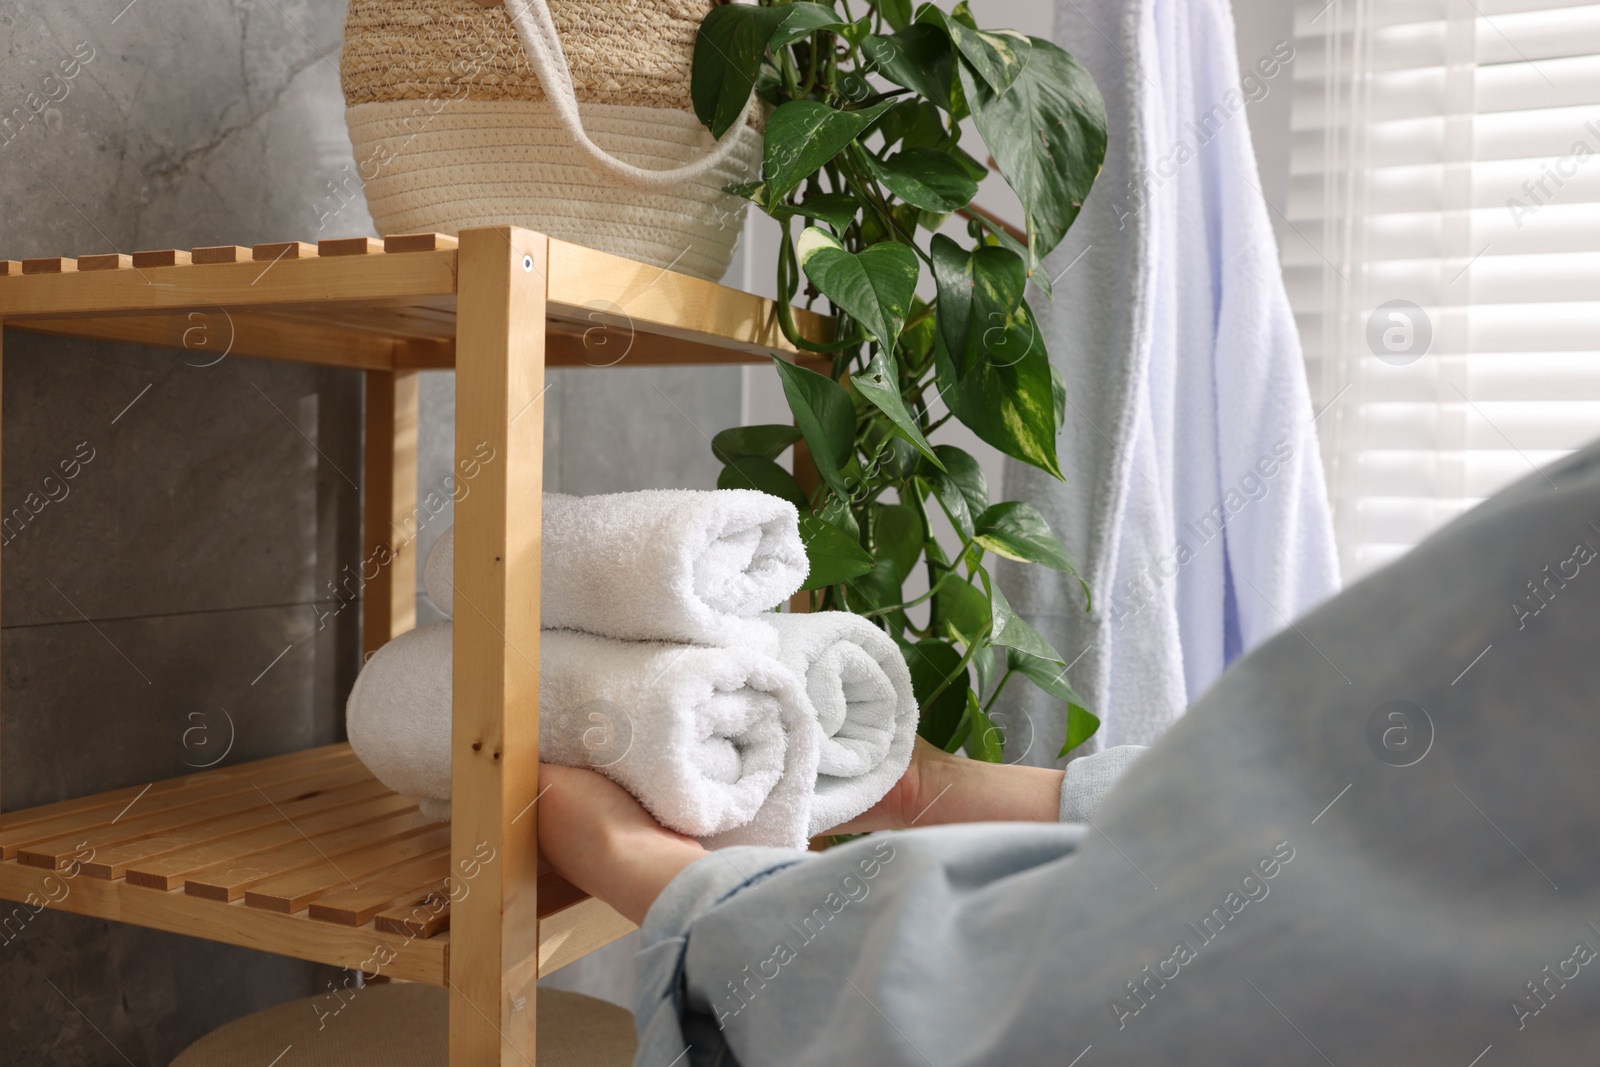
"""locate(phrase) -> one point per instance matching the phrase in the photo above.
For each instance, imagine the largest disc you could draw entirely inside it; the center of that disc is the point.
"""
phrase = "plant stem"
(1004, 678)
(966, 658)
(899, 607)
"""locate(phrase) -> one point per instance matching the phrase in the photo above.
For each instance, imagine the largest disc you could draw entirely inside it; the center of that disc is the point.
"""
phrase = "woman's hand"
(939, 787)
(902, 804)
(601, 840)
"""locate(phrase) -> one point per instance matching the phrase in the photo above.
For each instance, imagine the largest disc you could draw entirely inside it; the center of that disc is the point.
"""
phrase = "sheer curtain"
(1443, 251)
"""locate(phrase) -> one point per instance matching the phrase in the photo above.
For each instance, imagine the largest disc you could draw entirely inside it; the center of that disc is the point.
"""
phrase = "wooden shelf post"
(389, 516)
(2, 375)
(494, 928)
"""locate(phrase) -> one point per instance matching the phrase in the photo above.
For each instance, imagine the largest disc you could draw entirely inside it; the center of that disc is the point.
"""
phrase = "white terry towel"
(866, 714)
(1194, 502)
(677, 565)
(715, 743)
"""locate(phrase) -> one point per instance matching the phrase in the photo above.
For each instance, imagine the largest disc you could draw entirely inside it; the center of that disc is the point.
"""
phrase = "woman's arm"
(941, 788)
(601, 840)
(604, 843)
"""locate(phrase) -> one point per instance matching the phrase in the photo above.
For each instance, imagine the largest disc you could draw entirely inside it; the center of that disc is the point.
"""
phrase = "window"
(1443, 251)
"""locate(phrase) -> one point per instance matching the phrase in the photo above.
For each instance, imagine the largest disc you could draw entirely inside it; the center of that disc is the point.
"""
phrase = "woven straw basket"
(463, 115)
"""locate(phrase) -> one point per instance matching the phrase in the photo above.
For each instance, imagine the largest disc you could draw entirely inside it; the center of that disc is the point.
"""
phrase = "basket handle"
(537, 31)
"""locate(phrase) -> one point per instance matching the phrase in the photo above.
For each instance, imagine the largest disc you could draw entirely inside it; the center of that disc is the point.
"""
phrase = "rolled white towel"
(398, 717)
(714, 742)
(679, 565)
(866, 714)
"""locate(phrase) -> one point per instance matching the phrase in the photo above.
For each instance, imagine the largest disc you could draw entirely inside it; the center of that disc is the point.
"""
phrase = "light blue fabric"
(1193, 502)
(1373, 841)
(1089, 778)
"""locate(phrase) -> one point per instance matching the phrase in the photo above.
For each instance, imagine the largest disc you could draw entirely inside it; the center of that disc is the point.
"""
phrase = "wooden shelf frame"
(498, 305)
(396, 310)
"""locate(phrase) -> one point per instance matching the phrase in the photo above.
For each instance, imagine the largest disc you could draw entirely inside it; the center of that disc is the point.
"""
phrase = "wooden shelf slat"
(311, 796)
(233, 924)
(419, 242)
(221, 254)
(227, 281)
(360, 904)
(57, 852)
(162, 257)
(349, 246)
(273, 251)
(231, 878)
(421, 916)
(296, 889)
(106, 261)
(49, 265)
(91, 813)
(170, 871)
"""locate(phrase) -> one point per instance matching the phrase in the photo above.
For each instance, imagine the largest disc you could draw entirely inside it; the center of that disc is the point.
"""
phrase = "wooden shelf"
(305, 855)
(388, 305)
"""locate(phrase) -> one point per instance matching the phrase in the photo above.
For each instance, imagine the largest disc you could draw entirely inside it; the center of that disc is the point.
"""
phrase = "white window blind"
(1445, 188)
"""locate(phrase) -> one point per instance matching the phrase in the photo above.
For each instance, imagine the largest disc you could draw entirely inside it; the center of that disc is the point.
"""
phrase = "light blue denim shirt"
(1373, 841)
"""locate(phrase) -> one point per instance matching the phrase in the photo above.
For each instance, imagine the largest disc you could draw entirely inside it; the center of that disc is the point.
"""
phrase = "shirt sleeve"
(794, 971)
(1091, 777)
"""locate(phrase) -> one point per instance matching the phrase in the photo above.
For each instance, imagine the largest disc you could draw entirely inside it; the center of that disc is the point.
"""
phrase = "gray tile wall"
(171, 581)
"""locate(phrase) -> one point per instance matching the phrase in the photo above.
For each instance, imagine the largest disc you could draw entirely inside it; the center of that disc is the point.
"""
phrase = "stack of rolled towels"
(663, 666)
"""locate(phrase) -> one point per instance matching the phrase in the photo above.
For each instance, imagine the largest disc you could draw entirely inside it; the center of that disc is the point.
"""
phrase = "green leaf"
(1016, 530)
(983, 669)
(916, 124)
(825, 417)
(983, 738)
(896, 13)
(727, 57)
(976, 170)
(880, 384)
(952, 279)
(1049, 675)
(962, 607)
(1047, 134)
(802, 20)
(880, 588)
(980, 300)
(836, 209)
(835, 556)
(897, 536)
(754, 472)
(836, 510)
(1010, 629)
(767, 441)
(875, 286)
(1058, 391)
(930, 663)
(962, 489)
(1007, 398)
(919, 57)
(916, 340)
(802, 135)
(1081, 725)
(999, 280)
(998, 58)
(926, 178)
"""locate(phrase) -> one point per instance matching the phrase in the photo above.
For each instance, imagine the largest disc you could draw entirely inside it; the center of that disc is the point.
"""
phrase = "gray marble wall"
(172, 580)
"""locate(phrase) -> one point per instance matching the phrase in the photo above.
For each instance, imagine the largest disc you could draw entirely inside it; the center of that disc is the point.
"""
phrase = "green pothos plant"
(863, 169)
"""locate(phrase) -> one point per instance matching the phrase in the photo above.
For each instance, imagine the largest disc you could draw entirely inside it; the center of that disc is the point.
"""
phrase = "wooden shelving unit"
(307, 855)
